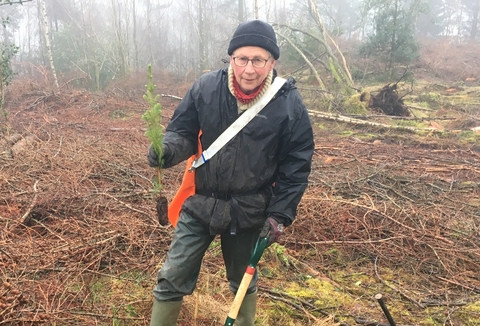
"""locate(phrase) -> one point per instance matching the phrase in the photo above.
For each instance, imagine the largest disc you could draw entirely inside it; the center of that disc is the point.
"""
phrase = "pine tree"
(393, 38)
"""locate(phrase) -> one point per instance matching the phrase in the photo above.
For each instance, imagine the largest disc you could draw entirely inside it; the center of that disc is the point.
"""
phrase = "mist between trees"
(89, 43)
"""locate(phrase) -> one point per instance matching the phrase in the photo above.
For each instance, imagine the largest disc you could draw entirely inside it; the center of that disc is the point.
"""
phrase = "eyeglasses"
(256, 62)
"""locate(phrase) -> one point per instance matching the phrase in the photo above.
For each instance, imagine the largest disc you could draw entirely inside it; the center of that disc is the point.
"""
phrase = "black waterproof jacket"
(263, 171)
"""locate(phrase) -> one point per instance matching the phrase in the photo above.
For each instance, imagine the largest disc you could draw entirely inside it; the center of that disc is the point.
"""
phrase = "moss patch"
(121, 113)
(357, 104)
(322, 292)
(113, 291)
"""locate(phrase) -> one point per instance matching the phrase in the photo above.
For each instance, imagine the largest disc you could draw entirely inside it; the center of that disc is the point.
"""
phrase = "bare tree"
(241, 10)
(151, 58)
(46, 29)
(11, 2)
(134, 36)
(121, 49)
(328, 59)
(202, 43)
(473, 8)
(340, 72)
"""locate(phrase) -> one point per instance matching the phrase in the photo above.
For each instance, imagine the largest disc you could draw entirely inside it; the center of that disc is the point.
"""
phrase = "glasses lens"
(258, 63)
(241, 62)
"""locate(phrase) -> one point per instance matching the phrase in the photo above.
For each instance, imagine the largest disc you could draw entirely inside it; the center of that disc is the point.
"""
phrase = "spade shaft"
(247, 277)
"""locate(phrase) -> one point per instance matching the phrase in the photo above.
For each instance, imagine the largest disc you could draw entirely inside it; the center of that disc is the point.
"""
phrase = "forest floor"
(387, 212)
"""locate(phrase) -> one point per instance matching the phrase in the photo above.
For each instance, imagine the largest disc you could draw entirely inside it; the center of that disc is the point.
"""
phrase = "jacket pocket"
(250, 211)
(214, 213)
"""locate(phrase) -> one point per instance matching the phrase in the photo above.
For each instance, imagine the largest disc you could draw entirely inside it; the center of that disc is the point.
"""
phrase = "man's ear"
(273, 64)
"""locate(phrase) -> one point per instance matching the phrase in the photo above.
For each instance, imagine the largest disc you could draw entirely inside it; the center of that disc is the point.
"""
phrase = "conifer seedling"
(153, 120)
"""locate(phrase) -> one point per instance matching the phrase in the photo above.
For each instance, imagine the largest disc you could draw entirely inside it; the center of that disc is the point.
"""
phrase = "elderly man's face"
(250, 76)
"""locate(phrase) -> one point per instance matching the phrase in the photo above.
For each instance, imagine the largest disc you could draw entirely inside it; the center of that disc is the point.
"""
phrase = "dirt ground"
(393, 213)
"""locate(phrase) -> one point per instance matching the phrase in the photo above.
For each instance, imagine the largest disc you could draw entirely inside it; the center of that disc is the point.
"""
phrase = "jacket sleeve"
(180, 140)
(294, 167)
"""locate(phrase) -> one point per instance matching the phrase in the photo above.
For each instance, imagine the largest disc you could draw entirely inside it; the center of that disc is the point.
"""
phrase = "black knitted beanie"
(255, 33)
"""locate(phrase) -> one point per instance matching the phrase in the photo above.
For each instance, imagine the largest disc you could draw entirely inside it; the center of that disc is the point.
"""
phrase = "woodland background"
(392, 206)
(93, 43)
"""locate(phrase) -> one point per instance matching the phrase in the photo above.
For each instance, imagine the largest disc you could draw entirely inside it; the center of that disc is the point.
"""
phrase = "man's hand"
(272, 229)
(152, 157)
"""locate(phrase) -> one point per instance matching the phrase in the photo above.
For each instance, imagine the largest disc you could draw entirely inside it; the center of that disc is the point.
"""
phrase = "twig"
(172, 96)
(105, 316)
(394, 288)
(475, 289)
(293, 304)
(68, 247)
(438, 257)
(430, 303)
(303, 302)
(419, 108)
(59, 148)
(50, 231)
(346, 241)
(128, 129)
(381, 214)
(125, 204)
(25, 219)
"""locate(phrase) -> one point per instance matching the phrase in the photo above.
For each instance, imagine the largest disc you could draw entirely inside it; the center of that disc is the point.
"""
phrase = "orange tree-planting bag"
(187, 188)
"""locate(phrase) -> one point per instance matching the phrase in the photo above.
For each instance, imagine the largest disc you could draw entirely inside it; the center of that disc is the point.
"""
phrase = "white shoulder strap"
(238, 125)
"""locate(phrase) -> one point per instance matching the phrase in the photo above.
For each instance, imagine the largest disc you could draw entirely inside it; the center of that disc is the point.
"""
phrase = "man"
(251, 187)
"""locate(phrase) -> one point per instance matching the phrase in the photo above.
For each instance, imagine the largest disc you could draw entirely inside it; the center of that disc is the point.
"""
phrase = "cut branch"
(25, 219)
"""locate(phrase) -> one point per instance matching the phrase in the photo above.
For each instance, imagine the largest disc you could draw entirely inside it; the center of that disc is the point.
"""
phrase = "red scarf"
(241, 96)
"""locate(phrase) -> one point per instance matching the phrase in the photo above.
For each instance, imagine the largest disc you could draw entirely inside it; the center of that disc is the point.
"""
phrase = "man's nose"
(249, 67)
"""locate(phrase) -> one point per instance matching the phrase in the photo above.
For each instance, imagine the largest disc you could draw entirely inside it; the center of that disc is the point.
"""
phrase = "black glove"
(152, 157)
(272, 229)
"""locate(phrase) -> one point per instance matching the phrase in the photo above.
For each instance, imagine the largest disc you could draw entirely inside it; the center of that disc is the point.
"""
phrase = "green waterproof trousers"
(179, 274)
